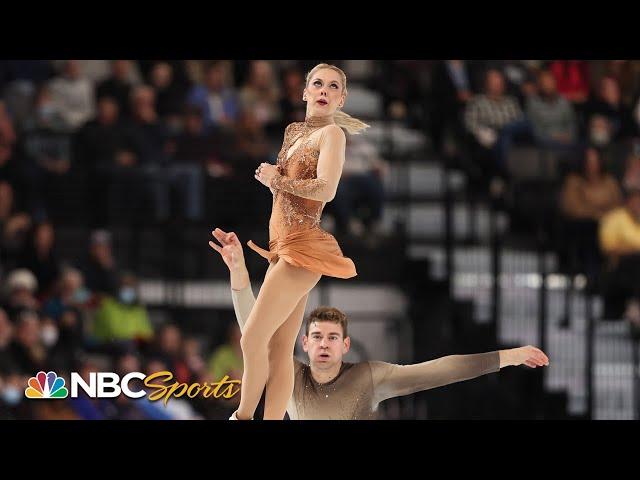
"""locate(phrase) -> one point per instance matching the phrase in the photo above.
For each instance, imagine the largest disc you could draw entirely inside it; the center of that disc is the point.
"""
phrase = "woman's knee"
(251, 342)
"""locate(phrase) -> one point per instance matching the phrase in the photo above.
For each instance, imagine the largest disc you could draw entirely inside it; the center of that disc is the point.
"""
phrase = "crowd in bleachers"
(583, 117)
(103, 143)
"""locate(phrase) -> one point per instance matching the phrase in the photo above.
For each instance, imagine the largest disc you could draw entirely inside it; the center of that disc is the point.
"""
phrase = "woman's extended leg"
(279, 295)
(281, 370)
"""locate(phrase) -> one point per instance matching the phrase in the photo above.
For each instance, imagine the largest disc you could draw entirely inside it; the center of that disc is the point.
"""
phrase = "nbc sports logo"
(46, 385)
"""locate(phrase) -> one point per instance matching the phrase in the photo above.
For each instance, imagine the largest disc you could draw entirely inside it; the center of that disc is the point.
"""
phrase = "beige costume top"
(354, 394)
(309, 170)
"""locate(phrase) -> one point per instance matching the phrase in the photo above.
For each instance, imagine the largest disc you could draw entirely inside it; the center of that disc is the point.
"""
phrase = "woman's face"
(324, 93)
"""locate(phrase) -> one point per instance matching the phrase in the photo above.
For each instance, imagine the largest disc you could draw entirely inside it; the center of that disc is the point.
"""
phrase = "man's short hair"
(327, 314)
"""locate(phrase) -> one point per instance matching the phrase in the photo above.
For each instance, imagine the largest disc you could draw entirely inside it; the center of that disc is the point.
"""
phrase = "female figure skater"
(305, 178)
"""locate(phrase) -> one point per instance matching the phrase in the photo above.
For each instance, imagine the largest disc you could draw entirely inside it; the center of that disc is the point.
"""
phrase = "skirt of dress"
(313, 249)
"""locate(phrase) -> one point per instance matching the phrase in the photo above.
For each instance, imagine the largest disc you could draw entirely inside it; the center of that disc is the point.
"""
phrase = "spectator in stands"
(123, 321)
(14, 227)
(20, 287)
(586, 197)
(292, 106)
(169, 349)
(453, 86)
(27, 348)
(494, 120)
(552, 118)
(260, 94)
(104, 151)
(73, 96)
(6, 336)
(361, 186)
(572, 79)
(40, 257)
(216, 97)
(170, 94)
(607, 119)
(226, 359)
(632, 172)
(100, 270)
(118, 85)
(620, 241)
(211, 149)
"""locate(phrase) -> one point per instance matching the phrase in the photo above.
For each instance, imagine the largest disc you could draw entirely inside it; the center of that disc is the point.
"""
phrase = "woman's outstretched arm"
(330, 162)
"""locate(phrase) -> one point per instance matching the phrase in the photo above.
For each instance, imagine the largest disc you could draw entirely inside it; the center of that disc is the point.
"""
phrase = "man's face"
(325, 344)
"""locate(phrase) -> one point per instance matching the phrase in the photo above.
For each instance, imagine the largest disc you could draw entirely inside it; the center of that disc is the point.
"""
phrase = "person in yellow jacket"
(620, 241)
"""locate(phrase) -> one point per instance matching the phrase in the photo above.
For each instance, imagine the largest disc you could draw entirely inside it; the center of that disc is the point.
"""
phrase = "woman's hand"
(530, 356)
(265, 173)
(231, 250)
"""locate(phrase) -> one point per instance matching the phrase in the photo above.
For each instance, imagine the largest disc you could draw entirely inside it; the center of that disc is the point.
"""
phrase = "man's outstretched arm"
(390, 380)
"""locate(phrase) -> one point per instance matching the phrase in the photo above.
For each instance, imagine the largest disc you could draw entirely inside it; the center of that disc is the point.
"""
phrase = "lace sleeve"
(330, 163)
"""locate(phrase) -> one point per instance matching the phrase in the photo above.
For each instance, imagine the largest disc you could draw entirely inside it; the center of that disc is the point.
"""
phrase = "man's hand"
(231, 250)
(530, 356)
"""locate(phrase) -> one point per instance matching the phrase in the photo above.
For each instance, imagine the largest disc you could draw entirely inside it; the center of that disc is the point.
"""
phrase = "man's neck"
(325, 376)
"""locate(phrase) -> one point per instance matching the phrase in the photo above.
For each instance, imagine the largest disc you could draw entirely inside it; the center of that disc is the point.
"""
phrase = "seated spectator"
(118, 85)
(227, 359)
(20, 287)
(40, 257)
(67, 309)
(361, 185)
(620, 241)
(27, 349)
(260, 94)
(211, 149)
(153, 147)
(632, 172)
(100, 269)
(453, 88)
(73, 96)
(552, 118)
(14, 228)
(122, 321)
(293, 108)
(608, 120)
(170, 94)
(586, 197)
(494, 121)
(216, 98)
(103, 150)
(572, 79)
(169, 349)
(7, 363)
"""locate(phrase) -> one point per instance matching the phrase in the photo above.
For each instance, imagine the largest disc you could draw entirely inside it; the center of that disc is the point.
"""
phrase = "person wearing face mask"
(620, 241)
(306, 177)
(122, 319)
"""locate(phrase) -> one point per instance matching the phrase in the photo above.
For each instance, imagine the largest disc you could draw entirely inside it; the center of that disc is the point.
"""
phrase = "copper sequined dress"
(301, 190)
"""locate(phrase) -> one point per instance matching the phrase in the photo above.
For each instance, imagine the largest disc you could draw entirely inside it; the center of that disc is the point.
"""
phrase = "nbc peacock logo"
(46, 385)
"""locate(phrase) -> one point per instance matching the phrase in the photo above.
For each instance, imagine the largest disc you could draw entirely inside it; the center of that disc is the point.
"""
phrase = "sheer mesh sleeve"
(323, 187)
(390, 380)
(243, 301)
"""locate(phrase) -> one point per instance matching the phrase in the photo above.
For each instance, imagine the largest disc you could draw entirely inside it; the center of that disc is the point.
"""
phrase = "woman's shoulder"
(333, 133)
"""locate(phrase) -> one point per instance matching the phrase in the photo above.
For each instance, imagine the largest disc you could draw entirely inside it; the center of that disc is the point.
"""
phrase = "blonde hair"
(352, 125)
